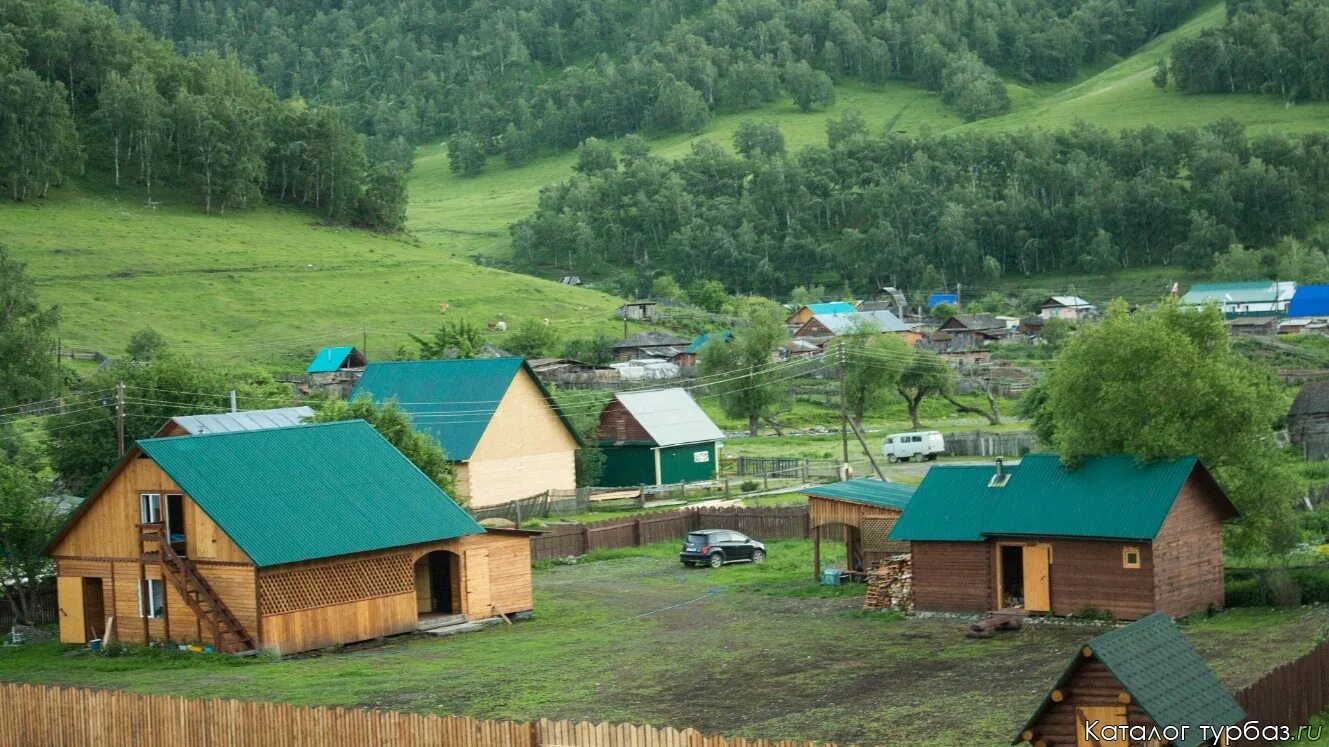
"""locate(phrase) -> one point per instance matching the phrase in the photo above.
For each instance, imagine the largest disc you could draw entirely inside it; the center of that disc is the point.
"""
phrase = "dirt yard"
(743, 650)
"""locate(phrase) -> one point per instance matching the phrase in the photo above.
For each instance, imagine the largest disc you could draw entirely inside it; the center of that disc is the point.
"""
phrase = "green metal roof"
(700, 340)
(866, 491)
(1164, 676)
(451, 400)
(1109, 497)
(1257, 291)
(309, 491)
(329, 359)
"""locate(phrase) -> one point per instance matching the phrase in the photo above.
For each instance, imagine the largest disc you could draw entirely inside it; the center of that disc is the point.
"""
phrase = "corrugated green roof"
(309, 491)
(1257, 291)
(1164, 676)
(451, 400)
(700, 340)
(864, 490)
(329, 359)
(1110, 497)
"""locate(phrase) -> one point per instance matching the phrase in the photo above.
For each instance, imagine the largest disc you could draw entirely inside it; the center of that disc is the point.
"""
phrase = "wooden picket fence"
(1291, 693)
(41, 716)
(763, 523)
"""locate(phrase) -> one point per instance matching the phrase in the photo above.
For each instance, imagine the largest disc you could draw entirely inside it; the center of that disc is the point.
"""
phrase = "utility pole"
(844, 419)
(364, 340)
(59, 378)
(233, 407)
(120, 418)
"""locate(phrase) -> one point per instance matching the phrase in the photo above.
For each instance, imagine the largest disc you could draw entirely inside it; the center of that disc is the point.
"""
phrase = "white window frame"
(150, 505)
(153, 592)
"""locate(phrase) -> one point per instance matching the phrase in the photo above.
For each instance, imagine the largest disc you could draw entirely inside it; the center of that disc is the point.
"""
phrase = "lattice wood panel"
(336, 584)
(875, 530)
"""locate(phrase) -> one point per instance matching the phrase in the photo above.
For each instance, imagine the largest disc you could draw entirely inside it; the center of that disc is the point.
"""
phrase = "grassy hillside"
(470, 216)
(266, 284)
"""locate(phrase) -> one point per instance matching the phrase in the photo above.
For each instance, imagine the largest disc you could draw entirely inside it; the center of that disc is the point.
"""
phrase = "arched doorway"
(438, 584)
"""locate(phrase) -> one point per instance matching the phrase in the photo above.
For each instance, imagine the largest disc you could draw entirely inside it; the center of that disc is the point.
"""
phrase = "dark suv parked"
(715, 547)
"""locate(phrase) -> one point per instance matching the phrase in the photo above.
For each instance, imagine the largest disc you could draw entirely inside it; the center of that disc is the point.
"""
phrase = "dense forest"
(80, 90)
(511, 76)
(1278, 47)
(867, 210)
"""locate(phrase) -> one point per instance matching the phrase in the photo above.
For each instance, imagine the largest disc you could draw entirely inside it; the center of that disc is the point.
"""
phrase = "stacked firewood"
(891, 584)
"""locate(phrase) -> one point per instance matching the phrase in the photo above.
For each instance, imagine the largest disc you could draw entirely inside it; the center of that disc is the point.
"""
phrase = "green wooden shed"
(657, 437)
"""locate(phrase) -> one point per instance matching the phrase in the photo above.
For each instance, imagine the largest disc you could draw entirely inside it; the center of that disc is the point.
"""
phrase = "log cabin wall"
(103, 545)
(617, 424)
(1092, 574)
(1188, 553)
(953, 576)
(1091, 685)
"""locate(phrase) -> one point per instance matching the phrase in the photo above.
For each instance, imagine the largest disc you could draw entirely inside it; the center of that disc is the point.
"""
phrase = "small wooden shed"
(1127, 683)
(1111, 534)
(657, 437)
(867, 510)
(282, 539)
(494, 418)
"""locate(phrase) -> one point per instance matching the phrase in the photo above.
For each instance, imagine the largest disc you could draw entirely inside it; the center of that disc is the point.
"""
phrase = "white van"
(905, 446)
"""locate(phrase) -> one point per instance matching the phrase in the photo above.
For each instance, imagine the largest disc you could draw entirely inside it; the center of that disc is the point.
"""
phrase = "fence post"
(585, 538)
(636, 532)
(683, 490)
(535, 734)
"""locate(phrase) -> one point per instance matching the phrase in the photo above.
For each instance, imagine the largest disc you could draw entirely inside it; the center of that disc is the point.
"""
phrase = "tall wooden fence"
(46, 609)
(990, 443)
(778, 522)
(40, 716)
(1290, 694)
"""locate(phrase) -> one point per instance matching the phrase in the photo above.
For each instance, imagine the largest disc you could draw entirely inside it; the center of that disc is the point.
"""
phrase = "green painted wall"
(626, 466)
(677, 463)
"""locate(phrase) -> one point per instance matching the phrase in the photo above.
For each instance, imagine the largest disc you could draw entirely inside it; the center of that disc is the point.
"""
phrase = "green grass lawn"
(759, 651)
(266, 284)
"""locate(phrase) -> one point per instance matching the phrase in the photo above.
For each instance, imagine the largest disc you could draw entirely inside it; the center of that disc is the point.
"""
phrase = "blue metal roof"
(937, 299)
(329, 359)
(831, 307)
(1309, 300)
(867, 491)
(1108, 497)
(452, 400)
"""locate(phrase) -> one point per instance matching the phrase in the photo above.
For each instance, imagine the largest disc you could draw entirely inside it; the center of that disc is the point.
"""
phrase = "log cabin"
(803, 313)
(1109, 536)
(866, 510)
(657, 437)
(1143, 676)
(494, 418)
(282, 539)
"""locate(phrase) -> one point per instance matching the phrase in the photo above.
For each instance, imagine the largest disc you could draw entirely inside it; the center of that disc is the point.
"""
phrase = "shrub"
(1283, 590)
(749, 486)
(1313, 583)
(1243, 591)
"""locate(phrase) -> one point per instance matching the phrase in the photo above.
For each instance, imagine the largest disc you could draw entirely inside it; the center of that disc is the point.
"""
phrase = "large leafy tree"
(751, 391)
(81, 442)
(394, 425)
(28, 369)
(29, 515)
(926, 374)
(1165, 384)
(874, 365)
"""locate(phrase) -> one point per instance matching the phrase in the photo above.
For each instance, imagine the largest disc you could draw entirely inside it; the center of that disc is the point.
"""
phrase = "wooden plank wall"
(779, 522)
(40, 716)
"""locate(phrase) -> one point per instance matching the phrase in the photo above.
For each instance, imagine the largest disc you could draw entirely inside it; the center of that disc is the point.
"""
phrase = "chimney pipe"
(999, 473)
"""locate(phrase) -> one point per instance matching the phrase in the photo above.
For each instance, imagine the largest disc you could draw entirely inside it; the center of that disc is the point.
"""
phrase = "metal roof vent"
(1000, 478)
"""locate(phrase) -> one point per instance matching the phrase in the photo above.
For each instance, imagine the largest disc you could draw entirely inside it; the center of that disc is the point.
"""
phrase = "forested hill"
(83, 93)
(867, 209)
(513, 76)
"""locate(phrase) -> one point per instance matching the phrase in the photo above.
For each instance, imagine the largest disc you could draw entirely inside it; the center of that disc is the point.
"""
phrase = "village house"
(649, 345)
(570, 371)
(278, 539)
(1110, 535)
(493, 417)
(229, 422)
(334, 370)
(805, 312)
(1309, 302)
(826, 326)
(1252, 326)
(688, 358)
(1070, 308)
(1308, 420)
(658, 437)
(1139, 676)
(1257, 298)
(969, 331)
(865, 510)
(638, 311)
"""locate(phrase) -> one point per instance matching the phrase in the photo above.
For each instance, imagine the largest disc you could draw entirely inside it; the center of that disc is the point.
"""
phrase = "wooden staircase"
(228, 635)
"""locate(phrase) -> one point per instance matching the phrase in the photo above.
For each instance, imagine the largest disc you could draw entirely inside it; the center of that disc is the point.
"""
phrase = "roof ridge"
(450, 360)
(198, 436)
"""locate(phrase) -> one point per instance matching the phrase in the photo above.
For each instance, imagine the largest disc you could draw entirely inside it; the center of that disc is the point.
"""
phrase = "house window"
(149, 508)
(1130, 557)
(151, 597)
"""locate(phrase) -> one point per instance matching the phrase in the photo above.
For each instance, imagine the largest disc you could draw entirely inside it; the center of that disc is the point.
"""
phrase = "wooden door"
(1104, 716)
(477, 584)
(1037, 594)
(73, 621)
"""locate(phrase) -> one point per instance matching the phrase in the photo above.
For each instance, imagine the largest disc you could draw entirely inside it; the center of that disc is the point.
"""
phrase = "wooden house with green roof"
(1139, 684)
(865, 511)
(493, 417)
(280, 539)
(1112, 535)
